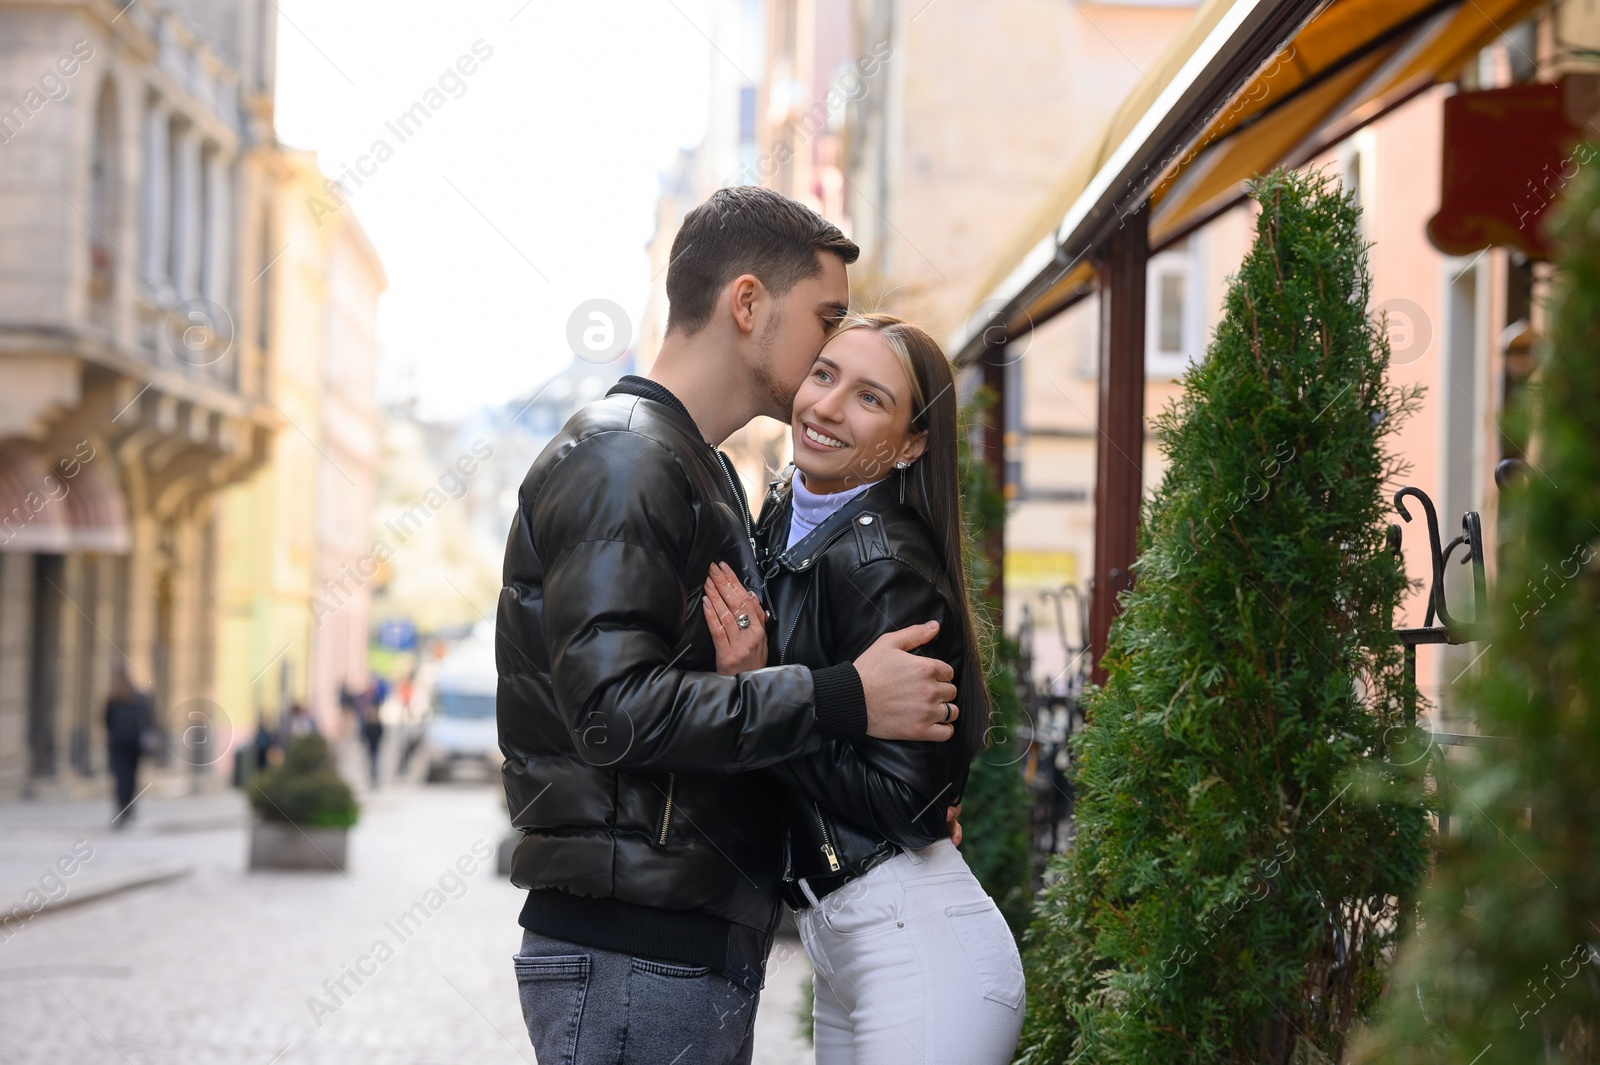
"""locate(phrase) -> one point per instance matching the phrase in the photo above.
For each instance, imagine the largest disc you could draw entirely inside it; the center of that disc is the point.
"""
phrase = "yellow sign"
(1041, 569)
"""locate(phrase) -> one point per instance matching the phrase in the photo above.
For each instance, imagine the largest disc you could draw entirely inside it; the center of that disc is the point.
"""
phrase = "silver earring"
(901, 465)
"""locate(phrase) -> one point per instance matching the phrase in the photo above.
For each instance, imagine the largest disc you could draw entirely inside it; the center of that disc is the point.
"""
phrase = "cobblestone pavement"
(220, 965)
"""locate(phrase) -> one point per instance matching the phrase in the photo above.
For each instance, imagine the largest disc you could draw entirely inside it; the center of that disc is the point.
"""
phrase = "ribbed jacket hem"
(841, 702)
(680, 937)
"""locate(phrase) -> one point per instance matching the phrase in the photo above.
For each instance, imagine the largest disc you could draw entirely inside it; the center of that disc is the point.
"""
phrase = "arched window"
(105, 192)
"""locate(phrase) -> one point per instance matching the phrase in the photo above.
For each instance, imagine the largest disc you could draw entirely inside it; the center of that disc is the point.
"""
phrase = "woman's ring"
(946, 719)
(743, 620)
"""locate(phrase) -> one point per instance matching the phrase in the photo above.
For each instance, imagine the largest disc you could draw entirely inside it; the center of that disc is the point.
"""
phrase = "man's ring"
(743, 620)
(946, 719)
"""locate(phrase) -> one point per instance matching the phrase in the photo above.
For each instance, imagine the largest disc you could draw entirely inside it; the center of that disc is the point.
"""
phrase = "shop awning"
(1194, 131)
(73, 507)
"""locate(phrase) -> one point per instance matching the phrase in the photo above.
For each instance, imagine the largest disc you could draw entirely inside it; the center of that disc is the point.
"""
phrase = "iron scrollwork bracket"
(1472, 539)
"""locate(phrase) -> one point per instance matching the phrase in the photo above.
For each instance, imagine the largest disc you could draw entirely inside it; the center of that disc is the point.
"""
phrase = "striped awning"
(1346, 64)
(71, 505)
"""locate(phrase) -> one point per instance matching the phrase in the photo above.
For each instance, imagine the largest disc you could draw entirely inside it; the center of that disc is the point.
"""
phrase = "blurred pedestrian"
(266, 743)
(347, 709)
(299, 723)
(368, 706)
(128, 720)
(411, 730)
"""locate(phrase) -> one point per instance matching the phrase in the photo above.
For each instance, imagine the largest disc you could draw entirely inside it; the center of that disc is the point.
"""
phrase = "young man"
(650, 852)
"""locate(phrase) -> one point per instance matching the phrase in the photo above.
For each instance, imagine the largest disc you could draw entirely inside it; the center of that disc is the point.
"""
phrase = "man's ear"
(914, 446)
(743, 294)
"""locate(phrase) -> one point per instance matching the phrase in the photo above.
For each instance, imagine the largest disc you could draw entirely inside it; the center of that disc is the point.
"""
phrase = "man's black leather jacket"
(870, 568)
(626, 754)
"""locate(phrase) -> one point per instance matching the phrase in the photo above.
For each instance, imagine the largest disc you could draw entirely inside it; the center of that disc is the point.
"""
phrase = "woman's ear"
(914, 446)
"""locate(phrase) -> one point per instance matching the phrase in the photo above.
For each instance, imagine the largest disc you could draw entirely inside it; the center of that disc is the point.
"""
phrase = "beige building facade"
(296, 580)
(129, 185)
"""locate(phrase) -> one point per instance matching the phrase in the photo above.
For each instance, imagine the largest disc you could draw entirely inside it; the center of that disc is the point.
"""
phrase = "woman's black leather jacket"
(870, 568)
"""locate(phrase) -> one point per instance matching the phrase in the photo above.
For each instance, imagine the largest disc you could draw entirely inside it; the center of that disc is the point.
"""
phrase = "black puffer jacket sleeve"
(616, 594)
(898, 790)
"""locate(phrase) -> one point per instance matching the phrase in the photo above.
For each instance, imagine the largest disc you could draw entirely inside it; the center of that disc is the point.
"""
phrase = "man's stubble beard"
(777, 398)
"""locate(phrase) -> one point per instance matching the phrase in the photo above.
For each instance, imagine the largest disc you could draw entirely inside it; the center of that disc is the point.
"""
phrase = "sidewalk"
(59, 854)
(219, 966)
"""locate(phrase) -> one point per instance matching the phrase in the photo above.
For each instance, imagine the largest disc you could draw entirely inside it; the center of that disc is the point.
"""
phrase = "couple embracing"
(705, 715)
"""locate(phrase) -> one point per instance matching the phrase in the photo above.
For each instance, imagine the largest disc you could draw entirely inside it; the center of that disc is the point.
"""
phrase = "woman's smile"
(821, 440)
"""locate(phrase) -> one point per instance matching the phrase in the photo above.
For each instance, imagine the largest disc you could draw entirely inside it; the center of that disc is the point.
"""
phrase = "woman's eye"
(869, 398)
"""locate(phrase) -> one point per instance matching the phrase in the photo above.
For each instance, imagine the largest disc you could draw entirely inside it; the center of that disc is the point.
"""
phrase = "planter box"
(275, 845)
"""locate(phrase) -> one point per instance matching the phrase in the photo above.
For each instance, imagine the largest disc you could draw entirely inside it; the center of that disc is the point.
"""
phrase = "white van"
(461, 723)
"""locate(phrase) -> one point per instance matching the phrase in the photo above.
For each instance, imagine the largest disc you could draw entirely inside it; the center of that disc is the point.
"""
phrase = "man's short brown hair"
(745, 229)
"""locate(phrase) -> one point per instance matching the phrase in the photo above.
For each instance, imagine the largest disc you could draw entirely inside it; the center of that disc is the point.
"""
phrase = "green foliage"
(995, 807)
(1504, 968)
(1242, 841)
(805, 1013)
(306, 789)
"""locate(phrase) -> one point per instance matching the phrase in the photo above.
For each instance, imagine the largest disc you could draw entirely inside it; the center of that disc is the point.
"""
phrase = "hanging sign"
(1507, 155)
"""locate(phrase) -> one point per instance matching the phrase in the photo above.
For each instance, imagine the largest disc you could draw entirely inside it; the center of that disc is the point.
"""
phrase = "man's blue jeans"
(585, 1006)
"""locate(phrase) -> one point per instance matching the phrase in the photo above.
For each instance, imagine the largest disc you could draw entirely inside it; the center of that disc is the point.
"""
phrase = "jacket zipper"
(783, 648)
(827, 844)
(783, 652)
(744, 503)
(666, 814)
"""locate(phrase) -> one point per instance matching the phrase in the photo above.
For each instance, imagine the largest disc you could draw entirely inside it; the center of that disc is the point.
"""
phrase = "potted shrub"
(304, 810)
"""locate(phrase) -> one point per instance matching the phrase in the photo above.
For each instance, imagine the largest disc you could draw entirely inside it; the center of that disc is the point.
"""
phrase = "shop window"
(1172, 325)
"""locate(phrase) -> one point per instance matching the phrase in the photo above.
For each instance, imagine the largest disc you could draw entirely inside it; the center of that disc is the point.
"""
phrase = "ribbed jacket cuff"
(841, 703)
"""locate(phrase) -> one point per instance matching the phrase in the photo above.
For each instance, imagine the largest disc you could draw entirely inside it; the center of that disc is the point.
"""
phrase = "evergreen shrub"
(1505, 967)
(1245, 845)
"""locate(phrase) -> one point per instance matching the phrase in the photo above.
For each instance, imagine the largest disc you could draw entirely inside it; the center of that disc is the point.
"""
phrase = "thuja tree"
(1505, 967)
(1243, 843)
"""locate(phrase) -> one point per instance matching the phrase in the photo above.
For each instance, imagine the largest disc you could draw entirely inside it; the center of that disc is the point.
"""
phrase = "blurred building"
(133, 181)
(1364, 90)
(296, 572)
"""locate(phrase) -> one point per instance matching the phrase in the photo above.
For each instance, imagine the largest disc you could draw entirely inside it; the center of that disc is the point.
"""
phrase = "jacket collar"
(810, 547)
(643, 387)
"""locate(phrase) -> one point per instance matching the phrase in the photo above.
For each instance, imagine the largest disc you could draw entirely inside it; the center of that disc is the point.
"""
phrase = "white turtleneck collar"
(811, 510)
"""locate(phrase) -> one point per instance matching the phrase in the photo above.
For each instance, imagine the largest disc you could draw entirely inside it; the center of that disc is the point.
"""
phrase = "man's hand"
(909, 697)
(952, 814)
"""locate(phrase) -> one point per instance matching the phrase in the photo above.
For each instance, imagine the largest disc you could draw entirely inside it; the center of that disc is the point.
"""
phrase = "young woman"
(913, 961)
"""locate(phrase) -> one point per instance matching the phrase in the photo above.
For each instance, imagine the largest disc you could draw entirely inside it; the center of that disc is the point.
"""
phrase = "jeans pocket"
(551, 991)
(864, 906)
(682, 1013)
(986, 940)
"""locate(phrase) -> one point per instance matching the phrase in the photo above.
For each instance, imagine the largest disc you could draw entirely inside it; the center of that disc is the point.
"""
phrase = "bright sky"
(529, 191)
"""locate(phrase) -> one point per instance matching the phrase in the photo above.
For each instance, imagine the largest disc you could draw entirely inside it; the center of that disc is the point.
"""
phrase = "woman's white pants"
(914, 965)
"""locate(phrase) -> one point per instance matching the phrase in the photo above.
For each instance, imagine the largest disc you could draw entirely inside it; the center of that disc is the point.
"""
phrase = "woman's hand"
(725, 602)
